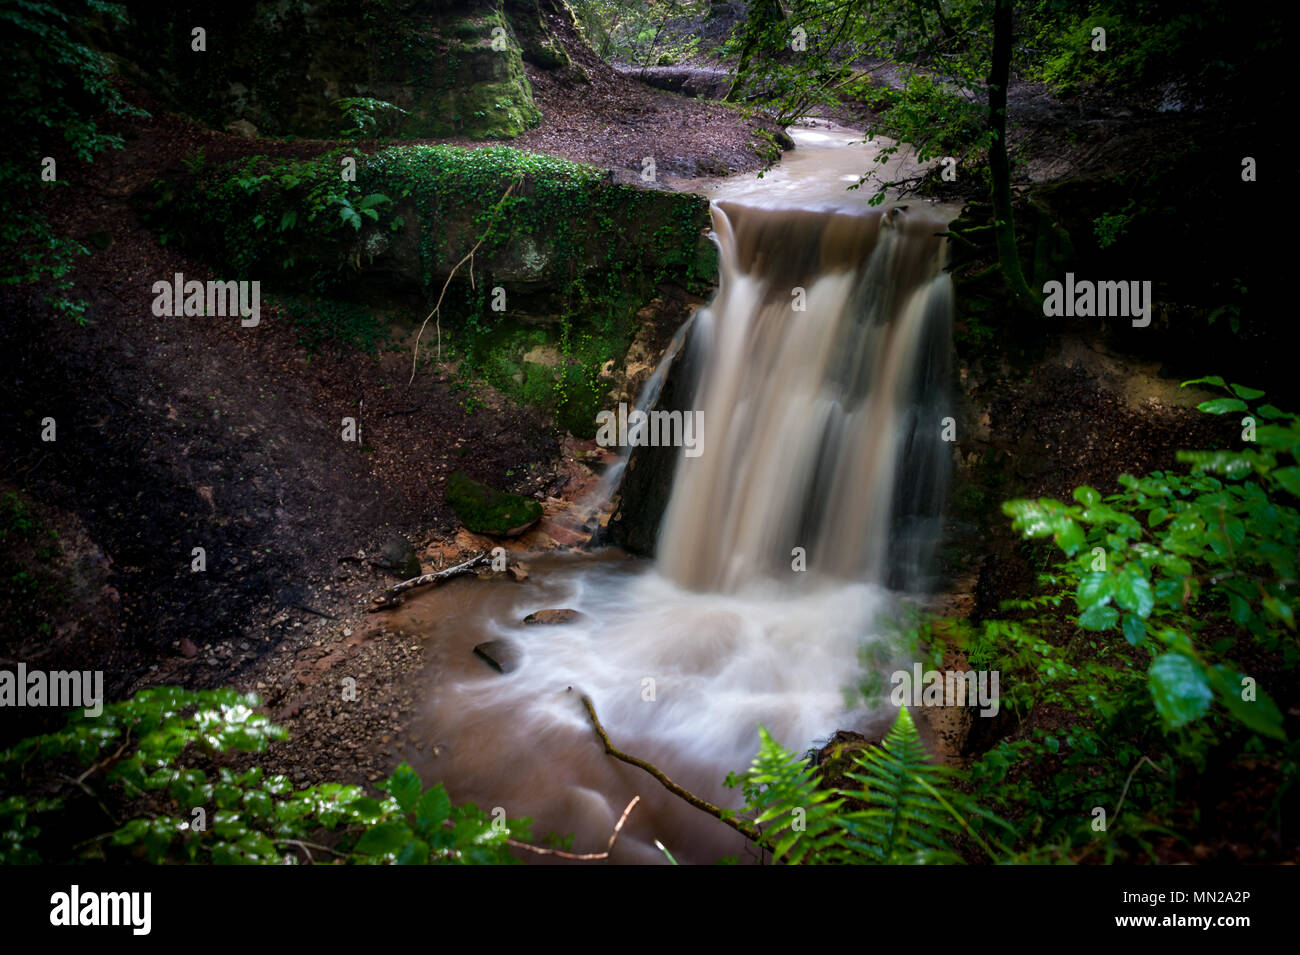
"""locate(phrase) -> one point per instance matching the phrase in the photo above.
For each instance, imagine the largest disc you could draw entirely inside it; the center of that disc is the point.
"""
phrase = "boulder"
(485, 510)
(399, 556)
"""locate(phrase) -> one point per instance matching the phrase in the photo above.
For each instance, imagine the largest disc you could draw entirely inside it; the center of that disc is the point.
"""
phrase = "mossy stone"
(484, 510)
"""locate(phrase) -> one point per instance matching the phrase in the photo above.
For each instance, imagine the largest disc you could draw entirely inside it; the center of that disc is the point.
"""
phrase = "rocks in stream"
(503, 655)
(500, 655)
(542, 618)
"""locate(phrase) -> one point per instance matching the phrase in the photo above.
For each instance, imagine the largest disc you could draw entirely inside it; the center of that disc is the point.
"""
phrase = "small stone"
(553, 617)
(500, 655)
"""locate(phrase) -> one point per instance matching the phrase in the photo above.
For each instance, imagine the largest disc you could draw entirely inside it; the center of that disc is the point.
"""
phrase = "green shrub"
(147, 755)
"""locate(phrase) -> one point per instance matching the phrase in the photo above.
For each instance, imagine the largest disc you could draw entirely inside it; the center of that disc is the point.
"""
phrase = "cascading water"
(822, 432)
(824, 380)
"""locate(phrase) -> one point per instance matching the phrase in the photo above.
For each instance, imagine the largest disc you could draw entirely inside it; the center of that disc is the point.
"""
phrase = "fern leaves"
(910, 812)
(784, 789)
(907, 818)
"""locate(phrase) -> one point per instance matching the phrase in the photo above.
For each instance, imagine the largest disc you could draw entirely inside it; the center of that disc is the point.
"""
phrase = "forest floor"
(181, 433)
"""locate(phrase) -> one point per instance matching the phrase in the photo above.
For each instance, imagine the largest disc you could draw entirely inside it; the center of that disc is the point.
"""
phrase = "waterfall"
(821, 430)
(824, 365)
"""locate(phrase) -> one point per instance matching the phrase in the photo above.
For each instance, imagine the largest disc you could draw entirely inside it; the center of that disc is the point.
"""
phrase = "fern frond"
(909, 806)
(785, 792)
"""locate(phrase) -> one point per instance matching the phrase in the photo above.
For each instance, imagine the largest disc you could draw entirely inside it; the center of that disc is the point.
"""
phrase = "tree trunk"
(762, 14)
(999, 163)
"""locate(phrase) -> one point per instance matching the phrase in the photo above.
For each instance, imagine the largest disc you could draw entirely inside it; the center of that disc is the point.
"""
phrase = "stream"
(783, 554)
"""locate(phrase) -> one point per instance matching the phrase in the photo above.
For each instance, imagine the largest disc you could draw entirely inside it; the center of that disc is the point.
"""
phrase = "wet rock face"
(648, 480)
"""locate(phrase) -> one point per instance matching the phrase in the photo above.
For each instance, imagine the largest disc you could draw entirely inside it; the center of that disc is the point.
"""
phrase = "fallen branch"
(389, 597)
(468, 257)
(582, 856)
(722, 815)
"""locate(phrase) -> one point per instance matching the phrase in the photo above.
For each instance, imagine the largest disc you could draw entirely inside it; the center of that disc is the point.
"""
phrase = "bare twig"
(1132, 772)
(126, 741)
(306, 847)
(468, 257)
(582, 856)
(749, 832)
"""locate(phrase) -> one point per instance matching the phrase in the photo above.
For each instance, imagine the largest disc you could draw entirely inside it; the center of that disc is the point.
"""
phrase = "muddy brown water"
(720, 666)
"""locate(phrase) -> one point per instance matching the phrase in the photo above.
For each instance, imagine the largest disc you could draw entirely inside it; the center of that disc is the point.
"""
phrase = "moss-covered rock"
(453, 68)
(485, 510)
(569, 256)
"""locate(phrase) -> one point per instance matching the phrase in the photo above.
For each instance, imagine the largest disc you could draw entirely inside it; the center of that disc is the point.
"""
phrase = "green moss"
(484, 510)
(575, 251)
(580, 396)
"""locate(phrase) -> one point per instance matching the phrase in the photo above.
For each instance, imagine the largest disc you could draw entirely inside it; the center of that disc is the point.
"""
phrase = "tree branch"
(722, 815)
(388, 598)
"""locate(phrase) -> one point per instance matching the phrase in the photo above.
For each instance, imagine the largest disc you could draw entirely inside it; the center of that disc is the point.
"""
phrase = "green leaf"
(1272, 412)
(434, 809)
(1250, 394)
(1098, 617)
(1096, 587)
(1087, 496)
(1289, 478)
(1135, 629)
(1179, 688)
(415, 852)
(1069, 537)
(1260, 714)
(386, 838)
(1210, 380)
(1279, 610)
(1221, 405)
(1133, 591)
(404, 786)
